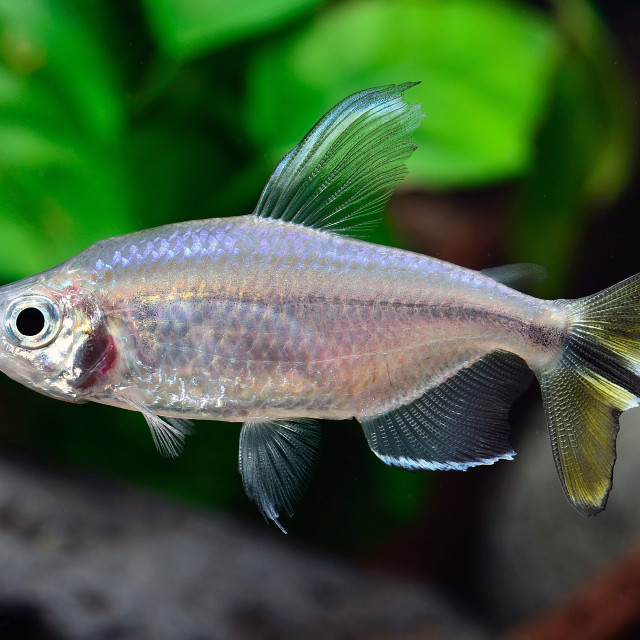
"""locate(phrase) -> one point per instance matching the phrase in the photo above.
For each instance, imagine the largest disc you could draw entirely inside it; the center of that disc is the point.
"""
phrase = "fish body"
(253, 319)
(276, 320)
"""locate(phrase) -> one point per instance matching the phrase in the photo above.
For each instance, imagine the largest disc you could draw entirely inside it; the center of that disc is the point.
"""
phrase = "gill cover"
(53, 337)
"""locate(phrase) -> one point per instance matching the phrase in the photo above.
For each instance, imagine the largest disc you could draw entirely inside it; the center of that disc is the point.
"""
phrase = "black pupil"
(30, 321)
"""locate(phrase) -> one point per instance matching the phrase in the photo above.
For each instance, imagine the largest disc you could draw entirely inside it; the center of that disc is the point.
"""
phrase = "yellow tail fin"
(596, 379)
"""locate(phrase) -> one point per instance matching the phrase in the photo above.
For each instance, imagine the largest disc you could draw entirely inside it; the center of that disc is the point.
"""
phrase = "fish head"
(52, 335)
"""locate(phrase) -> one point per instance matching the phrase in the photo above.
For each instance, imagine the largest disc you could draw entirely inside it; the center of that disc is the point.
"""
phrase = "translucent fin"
(595, 380)
(183, 425)
(169, 435)
(461, 423)
(520, 276)
(276, 460)
(346, 167)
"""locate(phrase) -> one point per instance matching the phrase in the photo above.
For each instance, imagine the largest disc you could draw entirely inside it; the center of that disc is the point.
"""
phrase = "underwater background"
(118, 116)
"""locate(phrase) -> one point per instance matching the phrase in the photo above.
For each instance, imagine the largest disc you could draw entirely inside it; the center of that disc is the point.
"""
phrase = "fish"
(286, 316)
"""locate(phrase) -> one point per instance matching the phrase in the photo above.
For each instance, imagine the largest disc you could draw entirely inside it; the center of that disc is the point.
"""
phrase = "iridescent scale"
(245, 318)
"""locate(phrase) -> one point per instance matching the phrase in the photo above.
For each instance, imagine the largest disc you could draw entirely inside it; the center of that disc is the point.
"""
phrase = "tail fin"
(595, 380)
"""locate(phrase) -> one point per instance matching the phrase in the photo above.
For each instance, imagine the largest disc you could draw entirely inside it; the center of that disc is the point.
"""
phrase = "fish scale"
(312, 351)
(279, 318)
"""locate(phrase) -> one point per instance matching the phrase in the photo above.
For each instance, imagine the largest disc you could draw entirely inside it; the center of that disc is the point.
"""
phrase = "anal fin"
(461, 423)
(276, 460)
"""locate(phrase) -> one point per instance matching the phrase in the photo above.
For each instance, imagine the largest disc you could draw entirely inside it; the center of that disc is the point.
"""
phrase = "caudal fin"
(595, 380)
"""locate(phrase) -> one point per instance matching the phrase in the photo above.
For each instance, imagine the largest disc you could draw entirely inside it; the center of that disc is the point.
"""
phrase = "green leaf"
(608, 100)
(61, 167)
(584, 151)
(22, 250)
(25, 147)
(485, 69)
(176, 182)
(549, 220)
(187, 28)
(42, 40)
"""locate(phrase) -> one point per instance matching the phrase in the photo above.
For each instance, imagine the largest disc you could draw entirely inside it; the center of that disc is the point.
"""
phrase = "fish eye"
(32, 321)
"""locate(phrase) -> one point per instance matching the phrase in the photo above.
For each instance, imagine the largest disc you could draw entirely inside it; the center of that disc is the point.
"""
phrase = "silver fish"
(278, 319)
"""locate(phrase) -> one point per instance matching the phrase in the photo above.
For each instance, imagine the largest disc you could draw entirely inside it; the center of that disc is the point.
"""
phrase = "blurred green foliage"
(120, 115)
(187, 28)
(484, 69)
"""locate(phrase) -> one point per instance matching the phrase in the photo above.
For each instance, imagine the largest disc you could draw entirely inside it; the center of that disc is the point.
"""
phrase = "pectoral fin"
(276, 460)
(168, 435)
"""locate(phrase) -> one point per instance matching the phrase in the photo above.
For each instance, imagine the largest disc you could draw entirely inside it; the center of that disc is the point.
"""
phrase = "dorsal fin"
(461, 423)
(343, 171)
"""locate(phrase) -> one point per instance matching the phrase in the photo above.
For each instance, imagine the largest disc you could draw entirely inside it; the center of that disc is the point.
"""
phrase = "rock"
(86, 559)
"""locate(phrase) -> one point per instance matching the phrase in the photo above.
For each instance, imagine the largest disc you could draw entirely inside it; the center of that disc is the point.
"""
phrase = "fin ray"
(459, 424)
(343, 171)
(584, 393)
(583, 431)
(168, 435)
(276, 460)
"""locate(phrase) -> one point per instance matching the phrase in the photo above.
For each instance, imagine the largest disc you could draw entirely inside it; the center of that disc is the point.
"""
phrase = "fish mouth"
(15, 373)
(12, 366)
(12, 369)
